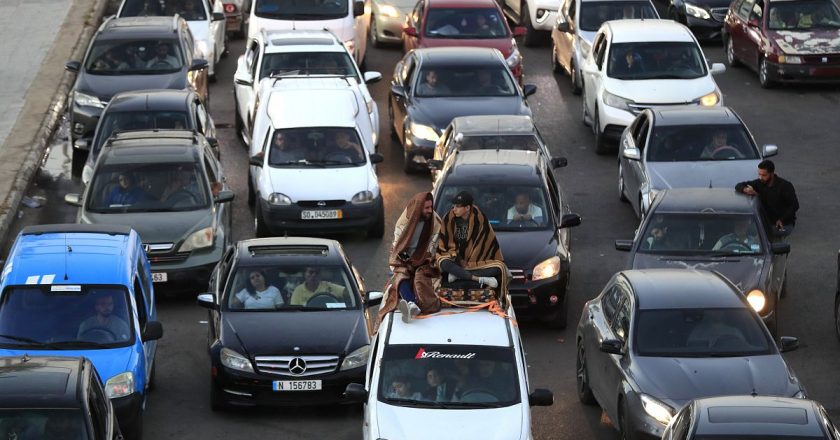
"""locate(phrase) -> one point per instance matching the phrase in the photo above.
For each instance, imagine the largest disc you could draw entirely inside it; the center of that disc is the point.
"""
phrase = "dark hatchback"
(289, 323)
(537, 251)
(418, 115)
(51, 397)
(714, 229)
(704, 17)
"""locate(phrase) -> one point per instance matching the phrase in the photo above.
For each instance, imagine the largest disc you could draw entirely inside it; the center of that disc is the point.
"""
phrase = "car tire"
(837, 315)
(152, 376)
(764, 74)
(584, 392)
(374, 40)
(78, 160)
(729, 46)
(391, 128)
(621, 188)
(576, 86)
(134, 430)
(408, 163)
(624, 427)
(600, 141)
(783, 292)
(239, 126)
(378, 228)
(260, 228)
(584, 118)
(555, 65)
(252, 196)
(533, 37)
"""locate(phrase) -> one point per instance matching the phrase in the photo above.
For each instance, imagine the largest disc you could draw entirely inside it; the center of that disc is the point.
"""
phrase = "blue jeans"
(406, 291)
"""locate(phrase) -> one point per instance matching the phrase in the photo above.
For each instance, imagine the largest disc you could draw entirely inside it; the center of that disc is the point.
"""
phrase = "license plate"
(321, 214)
(158, 277)
(297, 385)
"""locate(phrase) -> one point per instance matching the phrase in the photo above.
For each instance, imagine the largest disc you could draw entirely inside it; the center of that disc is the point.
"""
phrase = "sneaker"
(452, 278)
(488, 281)
(402, 306)
(413, 310)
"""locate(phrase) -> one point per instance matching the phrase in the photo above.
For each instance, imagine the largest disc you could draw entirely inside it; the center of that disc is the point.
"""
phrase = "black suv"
(505, 183)
(130, 54)
(54, 397)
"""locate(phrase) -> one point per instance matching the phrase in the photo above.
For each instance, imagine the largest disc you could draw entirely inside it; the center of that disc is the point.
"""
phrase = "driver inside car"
(740, 239)
(162, 58)
(313, 285)
(719, 147)
(524, 211)
(104, 321)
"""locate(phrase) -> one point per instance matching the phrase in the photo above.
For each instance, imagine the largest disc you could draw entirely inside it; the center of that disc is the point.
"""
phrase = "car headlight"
(546, 269)
(198, 240)
(696, 11)
(790, 59)
(709, 99)
(202, 49)
(661, 412)
(279, 199)
(350, 45)
(424, 132)
(356, 359)
(389, 11)
(616, 101)
(235, 361)
(756, 299)
(84, 100)
(362, 197)
(515, 57)
(120, 385)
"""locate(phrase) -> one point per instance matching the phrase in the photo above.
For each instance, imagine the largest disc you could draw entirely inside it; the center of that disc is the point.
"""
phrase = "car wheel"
(260, 228)
(621, 188)
(152, 376)
(837, 315)
(573, 74)
(378, 228)
(783, 292)
(78, 160)
(408, 162)
(763, 74)
(625, 429)
(374, 40)
(731, 60)
(555, 65)
(391, 127)
(252, 196)
(600, 140)
(533, 37)
(584, 117)
(584, 392)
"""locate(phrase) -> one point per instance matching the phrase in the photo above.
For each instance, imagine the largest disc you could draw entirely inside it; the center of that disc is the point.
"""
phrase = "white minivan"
(459, 375)
(347, 19)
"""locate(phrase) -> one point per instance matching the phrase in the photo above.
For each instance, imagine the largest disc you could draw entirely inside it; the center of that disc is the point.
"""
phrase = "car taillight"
(230, 8)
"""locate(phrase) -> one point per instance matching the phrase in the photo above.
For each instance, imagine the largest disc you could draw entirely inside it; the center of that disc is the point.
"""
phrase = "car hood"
(398, 422)
(439, 112)
(503, 44)
(108, 361)
(678, 380)
(814, 42)
(661, 91)
(338, 26)
(317, 183)
(712, 173)
(526, 249)
(328, 332)
(156, 227)
(745, 271)
(106, 86)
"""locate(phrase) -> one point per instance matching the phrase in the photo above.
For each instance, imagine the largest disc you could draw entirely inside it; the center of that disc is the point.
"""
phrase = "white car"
(237, 13)
(639, 64)
(206, 19)
(537, 16)
(312, 160)
(457, 376)
(296, 54)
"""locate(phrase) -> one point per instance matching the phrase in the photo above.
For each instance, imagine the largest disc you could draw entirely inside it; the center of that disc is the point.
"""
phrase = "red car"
(784, 40)
(476, 23)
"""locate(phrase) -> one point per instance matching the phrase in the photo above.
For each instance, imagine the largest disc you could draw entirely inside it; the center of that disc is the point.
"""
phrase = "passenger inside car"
(257, 294)
(524, 211)
(126, 192)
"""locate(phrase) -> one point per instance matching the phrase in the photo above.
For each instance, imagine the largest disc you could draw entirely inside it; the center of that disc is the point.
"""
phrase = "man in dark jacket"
(777, 196)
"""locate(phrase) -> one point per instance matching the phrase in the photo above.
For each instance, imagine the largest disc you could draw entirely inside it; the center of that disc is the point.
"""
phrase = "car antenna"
(754, 394)
(69, 249)
(25, 357)
(710, 183)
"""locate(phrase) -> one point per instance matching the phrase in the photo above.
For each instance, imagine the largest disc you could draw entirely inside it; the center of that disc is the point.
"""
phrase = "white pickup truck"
(537, 16)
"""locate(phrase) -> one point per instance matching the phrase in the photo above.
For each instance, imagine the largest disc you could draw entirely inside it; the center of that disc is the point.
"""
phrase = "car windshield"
(191, 10)
(507, 207)
(465, 23)
(802, 15)
(464, 81)
(285, 288)
(134, 57)
(140, 120)
(148, 187)
(702, 234)
(700, 333)
(316, 147)
(26, 424)
(656, 60)
(594, 14)
(308, 63)
(58, 317)
(301, 10)
(450, 376)
(689, 143)
(527, 142)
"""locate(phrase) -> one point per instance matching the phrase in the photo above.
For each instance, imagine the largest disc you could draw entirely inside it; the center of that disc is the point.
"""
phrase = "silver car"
(688, 147)
(386, 20)
(577, 23)
(653, 340)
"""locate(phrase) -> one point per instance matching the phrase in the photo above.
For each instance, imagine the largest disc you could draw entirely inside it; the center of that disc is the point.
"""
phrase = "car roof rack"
(293, 249)
(76, 228)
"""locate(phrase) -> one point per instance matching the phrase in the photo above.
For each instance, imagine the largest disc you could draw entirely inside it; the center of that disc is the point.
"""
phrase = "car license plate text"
(158, 277)
(321, 214)
(297, 385)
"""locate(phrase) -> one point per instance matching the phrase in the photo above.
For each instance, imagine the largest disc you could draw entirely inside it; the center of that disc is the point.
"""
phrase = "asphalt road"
(802, 120)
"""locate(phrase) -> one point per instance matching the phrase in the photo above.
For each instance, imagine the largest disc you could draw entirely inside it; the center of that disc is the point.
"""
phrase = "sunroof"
(302, 42)
(289, 250)
(756, 414)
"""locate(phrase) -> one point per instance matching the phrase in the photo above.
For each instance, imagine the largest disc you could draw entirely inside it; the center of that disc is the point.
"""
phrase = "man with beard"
(412, 286)
(105, 319)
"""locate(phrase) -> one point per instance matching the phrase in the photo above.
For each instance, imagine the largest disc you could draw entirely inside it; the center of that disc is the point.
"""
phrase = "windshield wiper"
(23, 339)
(423, 403)
(78, 344)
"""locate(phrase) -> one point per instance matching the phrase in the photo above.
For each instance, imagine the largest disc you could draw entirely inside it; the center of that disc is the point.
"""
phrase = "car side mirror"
(780, 248)
(569, 220)
(411, 31)
(73, 66)
(376, 158)
(519, 31)
(563, 26)
(788, 343)
(434, 164)
(224, 196)
(218, 16)
(631, 153)
(769, 150)
(753, 22)
(529, 90)
(398, 90)
(612, 346)
(372, 77)
(73, 199)
(373, 297)
(541, 397)
(198, 64)
(256, 161)
(208, 301)
(356, 392)
(717, 68)
(624, 245)
(358, 8)
(559, 162)
(243, 79)
(152, 331)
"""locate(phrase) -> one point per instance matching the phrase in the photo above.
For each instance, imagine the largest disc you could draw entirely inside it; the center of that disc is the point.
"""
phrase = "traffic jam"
(683, 342)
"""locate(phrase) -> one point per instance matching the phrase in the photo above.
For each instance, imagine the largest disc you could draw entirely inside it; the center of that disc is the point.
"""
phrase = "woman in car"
(257, 294)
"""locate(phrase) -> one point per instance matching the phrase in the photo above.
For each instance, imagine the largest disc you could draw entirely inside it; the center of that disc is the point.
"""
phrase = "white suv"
(449, 376)
(296, 54)
(312, 159)
(639, 64)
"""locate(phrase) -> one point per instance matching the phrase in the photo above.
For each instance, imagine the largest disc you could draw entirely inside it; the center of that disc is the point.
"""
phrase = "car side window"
(681, 424)
(405, 73)
(610, 302)
(224, 270)
(98, 412)
(621, 323)
(212, 173)
(602, 52)
(140, 299)
(746, 7)
(572, 10)
(201, 117)
(757, 10)
(636, 126)
(596, 46)
(642, 135)
(144, 280)
(251, 55)
(553, 193)
(375, 345)
(417, 13)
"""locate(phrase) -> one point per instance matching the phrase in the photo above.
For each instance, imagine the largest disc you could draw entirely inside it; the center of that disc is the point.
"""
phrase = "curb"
(34, 153)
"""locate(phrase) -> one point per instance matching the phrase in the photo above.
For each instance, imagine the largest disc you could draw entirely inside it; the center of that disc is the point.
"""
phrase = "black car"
(713, 229)
(752, 417)
(536, 251)
(469, 81)
(130, 54)
(161, 109)
(47, 397)
(704, 17)
(289, 323)
(837, 300)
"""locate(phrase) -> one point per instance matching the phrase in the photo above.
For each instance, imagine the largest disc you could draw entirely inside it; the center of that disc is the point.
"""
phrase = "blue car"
(85, 290)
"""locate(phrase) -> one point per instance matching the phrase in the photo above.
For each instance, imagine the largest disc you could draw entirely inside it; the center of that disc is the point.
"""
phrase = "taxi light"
(756, 299)
(230, 8)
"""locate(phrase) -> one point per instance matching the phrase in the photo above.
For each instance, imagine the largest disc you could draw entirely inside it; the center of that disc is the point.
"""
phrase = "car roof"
(695, 115)
(704, 200)
(493, 124)
(140, 27)
(149, 151)
(648, 30)
(458, 56)
(681, 289)
(41, 381)
(154, 100)
(756, 416)
(293, 102)
(452, 327)
(461, 3)
(514, 167)
(295, 250)
(301, 41)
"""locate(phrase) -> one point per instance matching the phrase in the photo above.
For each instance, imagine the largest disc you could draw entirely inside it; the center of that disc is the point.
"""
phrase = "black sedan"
(433, 85)
(288, 323)
(653, 340)
(713, 229)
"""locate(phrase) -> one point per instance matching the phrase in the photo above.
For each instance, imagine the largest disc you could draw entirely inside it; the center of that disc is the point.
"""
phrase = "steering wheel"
(522, 222)
(98, 334)
(476, 395)
(180, 197)
(736, 246)
(322, 299)
(717, 153)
